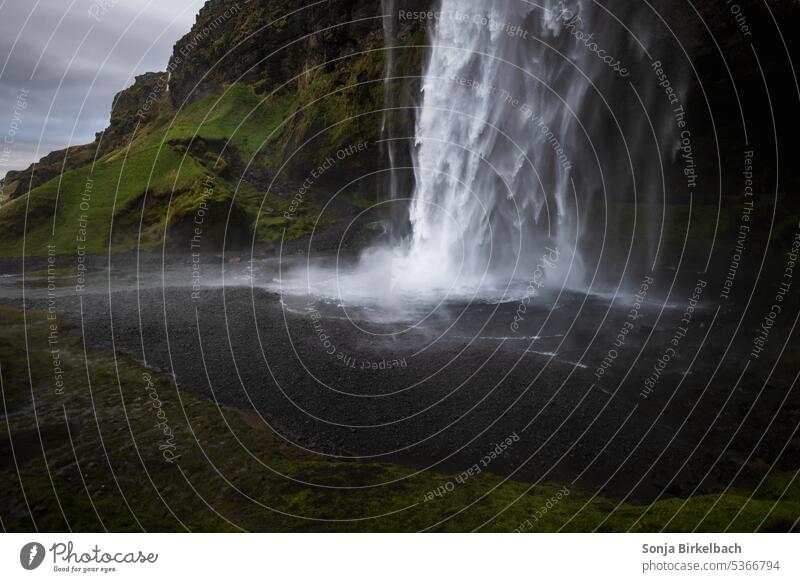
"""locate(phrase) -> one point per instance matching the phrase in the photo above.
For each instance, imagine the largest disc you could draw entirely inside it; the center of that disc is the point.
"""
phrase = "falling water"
(521, 142)
(389, 32)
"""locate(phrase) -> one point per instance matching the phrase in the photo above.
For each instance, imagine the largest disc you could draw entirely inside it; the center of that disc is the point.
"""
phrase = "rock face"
(257, 42)
(18, 183)
(309, 49)
(134, 107)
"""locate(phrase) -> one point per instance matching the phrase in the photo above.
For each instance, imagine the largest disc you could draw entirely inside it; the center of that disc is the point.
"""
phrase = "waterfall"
(544, 150)
(525, 134)
(389, 32)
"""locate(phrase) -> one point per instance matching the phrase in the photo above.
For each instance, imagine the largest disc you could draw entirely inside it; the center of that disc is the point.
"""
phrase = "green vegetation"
(84, 202)
(155, 161)
(343, 104)
(158, 179)
(231, 472)
(240, 118)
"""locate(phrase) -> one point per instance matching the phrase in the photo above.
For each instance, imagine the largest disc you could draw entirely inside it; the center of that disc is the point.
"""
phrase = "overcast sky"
(62, 62)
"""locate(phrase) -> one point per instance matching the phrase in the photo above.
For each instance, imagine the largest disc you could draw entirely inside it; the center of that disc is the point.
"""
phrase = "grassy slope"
(200, 493)
(158, 162)
(246, 120)
(111, 186)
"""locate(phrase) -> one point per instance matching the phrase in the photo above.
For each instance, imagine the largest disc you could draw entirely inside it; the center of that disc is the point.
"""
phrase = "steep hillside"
(254, 101)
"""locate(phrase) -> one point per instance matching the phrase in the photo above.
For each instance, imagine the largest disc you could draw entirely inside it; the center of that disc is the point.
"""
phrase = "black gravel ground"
(444, 393)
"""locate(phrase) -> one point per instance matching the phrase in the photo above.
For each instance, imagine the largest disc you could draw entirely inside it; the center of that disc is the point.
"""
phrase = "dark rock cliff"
(268, 42)
(134, 107)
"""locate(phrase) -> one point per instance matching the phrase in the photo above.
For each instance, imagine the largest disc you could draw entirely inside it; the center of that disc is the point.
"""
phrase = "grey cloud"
(91, 60)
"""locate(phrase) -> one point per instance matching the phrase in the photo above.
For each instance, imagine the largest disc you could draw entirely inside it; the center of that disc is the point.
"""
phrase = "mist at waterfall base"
(539, 171)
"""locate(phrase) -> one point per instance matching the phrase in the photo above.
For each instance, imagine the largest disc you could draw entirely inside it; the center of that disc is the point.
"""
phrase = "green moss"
(343, 106)
(239, 117)
(60, 272)
(134, 185)
(133, 196)
(81, 205)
